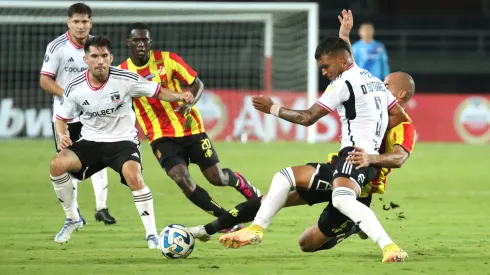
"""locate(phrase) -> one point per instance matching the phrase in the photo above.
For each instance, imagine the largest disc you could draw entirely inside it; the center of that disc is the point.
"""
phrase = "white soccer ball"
(176, 242)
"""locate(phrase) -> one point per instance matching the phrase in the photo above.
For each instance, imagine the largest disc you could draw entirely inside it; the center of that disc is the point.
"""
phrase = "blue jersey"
(372, 57)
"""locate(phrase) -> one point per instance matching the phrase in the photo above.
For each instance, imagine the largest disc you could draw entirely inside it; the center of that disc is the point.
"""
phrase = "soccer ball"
(176, 242)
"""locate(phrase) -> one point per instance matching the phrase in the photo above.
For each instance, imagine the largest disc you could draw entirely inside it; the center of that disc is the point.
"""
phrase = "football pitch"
(442, 220)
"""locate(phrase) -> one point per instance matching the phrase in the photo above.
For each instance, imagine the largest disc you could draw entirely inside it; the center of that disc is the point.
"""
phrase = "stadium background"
(441, 192)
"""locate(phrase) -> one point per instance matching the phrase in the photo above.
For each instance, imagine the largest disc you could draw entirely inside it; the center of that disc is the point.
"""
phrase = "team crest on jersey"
(115, 97)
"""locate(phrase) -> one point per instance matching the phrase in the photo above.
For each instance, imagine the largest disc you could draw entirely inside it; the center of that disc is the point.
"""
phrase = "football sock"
(242, 213)
(201, 198)
(233, 180)
(282, 183)
(344, 199)
(99, 182)
(144, 204)
(63, 186)
(337, 239)
(74, 182)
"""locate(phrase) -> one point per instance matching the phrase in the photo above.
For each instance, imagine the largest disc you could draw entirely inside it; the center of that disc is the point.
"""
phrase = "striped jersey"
(106, 111)
(158, 118)
(63, 61)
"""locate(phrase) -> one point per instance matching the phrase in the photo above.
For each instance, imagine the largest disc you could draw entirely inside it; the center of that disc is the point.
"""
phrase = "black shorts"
(320, 188)
(96, 156)
(74, 130)
(342, 168)
(196, 149)
(333, 223)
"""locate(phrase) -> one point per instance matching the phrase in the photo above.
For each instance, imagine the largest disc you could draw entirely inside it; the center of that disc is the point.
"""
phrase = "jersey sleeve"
(181, 70)
(335, 94)
(404, 135)
(68, 107)
(392, 101)
(51, 62)
(143, 87)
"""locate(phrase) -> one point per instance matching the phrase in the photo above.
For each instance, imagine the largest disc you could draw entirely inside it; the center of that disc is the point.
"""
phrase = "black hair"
(99, 42)
(136, 26)
(367, 23)
(331, 45)
(79, 8)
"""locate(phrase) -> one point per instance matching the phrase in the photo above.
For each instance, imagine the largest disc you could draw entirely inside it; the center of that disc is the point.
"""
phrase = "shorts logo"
(206, 147)
(135, 155)
(115, 97)
(361, 178)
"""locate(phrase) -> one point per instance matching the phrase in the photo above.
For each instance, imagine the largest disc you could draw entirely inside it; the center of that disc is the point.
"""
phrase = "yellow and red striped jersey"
(404, 135)
(158, 118)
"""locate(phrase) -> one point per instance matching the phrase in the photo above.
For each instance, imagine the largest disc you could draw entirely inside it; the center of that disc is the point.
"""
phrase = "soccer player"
(399, 142)
(63, 61)
(364, 106)
(176, 132)
(369, 53)
(103, 95)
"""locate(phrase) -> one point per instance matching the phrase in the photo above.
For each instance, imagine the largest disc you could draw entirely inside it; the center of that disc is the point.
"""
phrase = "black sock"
(233, 180)
(337, 239)
(242, 213)
(201, 198)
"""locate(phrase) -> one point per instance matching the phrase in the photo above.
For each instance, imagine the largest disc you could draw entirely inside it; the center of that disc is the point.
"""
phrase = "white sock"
(74, 182)
(99, 182)
(63, 187)
(144, 203)
(344, 199)
(282, 183)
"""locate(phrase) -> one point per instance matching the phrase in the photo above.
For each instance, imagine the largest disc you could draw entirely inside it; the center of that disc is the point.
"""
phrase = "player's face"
(98, 59)
(139, 43)
(366, 31)
(79, 25)
(393, 86)
(331, 65)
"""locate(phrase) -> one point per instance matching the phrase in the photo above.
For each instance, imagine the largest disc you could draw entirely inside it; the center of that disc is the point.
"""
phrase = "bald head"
(401, 85)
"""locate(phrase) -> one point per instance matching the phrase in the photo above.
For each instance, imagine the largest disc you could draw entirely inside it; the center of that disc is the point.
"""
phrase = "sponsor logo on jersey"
(103, 113)
(472, 120)
(74, 69)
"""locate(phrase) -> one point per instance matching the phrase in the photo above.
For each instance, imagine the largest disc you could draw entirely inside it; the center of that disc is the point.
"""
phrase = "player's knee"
(217, 177)
(183, 179)
(131, 171)
(305, 243)
(342, 196)
(58, 166)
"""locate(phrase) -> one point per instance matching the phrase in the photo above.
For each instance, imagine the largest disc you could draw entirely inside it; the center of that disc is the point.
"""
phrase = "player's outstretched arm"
(346, 23)
(171, 96)
(302, 117)
(49, 85)
(196, 89)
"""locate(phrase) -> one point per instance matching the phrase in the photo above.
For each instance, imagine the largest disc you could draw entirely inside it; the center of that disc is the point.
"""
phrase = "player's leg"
(283, 182)
(99, 182)
(74, 181)
(242, 213)
(70, 162)
(203, 154)
(127, 162)
(173, 158)
(347, 184)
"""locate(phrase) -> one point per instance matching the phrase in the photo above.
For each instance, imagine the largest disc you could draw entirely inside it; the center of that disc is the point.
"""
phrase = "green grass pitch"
(443, 191)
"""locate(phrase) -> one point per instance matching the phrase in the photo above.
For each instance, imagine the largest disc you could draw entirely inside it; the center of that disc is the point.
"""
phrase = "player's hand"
(184, 109)
(346, 22)
(64, 141)
(359, 157)
(262, 103)
(188, 97)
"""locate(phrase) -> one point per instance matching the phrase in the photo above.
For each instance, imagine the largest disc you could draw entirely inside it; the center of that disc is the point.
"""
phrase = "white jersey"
(107, 113)
(362, 102)
(63, 61)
